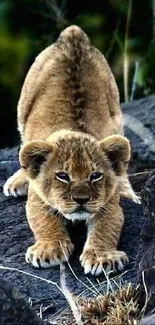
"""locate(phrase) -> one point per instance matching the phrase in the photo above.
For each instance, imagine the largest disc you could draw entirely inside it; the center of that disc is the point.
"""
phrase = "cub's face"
(76, 174)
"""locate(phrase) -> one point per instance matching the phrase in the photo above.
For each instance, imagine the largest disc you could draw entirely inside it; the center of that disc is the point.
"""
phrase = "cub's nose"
(81, 200)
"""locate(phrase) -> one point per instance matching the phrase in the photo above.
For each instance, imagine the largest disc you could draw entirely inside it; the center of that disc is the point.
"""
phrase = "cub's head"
(76, 174)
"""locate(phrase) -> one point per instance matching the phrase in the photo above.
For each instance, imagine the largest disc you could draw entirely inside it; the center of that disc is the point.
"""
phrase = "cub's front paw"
(15, 186)
(104, 261)
(49, 253)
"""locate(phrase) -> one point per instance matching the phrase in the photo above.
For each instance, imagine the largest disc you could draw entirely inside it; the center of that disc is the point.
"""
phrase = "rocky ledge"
(40, 288)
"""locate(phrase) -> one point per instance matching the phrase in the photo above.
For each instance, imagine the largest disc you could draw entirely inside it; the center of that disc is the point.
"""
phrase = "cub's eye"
(94, 177)
(63, 177)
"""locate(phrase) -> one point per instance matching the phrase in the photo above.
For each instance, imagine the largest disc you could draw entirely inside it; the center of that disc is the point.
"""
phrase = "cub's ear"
(118, 151)
(33, 154)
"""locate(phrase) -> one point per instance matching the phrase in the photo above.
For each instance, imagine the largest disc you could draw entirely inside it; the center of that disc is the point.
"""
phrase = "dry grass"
(119, 307)
(114, 307)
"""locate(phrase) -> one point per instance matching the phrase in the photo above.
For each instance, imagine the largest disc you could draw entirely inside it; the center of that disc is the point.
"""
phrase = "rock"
(146, 254)
(150, 320)
(13, 308)
(139, 121)
(16, 236)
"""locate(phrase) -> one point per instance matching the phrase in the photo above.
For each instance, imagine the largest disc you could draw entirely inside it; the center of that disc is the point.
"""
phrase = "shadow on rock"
(146, 254)
(13, 308)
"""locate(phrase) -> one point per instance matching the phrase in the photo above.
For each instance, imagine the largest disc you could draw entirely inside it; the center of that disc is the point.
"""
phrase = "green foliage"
(122, 29)
(13, 51)
(91, 22)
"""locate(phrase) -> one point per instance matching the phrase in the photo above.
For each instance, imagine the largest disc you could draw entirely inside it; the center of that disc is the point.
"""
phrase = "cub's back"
(69, 86)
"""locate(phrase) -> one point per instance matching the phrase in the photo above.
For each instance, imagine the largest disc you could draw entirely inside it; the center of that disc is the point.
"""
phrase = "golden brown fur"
(68, 115)
(70, 81)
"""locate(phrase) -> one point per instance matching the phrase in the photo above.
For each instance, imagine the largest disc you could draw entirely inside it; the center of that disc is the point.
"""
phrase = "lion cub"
(72, 159)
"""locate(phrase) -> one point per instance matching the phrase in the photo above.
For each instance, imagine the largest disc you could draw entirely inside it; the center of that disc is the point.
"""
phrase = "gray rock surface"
(13, 308)
(149, 320)
(16, 235)
(146, 254)
(139, 121)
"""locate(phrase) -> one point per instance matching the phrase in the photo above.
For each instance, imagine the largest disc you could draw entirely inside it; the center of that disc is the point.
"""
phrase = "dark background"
(123, 30)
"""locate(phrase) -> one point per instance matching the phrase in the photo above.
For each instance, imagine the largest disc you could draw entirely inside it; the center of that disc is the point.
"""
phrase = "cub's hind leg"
(16, 185)
(126, 189)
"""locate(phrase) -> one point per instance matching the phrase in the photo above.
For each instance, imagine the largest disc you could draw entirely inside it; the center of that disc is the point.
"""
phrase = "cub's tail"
(73, 76)
(77, 50)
